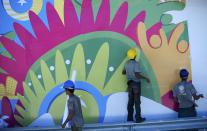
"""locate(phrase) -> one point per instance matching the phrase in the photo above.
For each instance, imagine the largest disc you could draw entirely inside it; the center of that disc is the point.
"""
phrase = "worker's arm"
(140, 76)
(69, 117)
(124, 72)
(71, 112)
(196, 97)
(194, 93)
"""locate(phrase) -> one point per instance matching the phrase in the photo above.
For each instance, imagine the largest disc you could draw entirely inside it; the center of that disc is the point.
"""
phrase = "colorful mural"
(49, 39)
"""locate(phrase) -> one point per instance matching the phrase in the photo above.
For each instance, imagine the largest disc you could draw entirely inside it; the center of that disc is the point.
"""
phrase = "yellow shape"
(131, 53)
(155, 41)
(59, 6)
(183, 46)
(2, 90)
(166, 60)
(11, 85)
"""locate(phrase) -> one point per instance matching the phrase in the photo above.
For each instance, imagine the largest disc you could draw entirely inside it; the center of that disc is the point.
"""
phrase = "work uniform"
(134, 89)
(184, 92)
(74, 105)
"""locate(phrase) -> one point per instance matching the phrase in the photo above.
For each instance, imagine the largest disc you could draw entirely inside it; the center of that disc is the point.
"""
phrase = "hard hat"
(69, 85)
(184, 73)
(131, 53)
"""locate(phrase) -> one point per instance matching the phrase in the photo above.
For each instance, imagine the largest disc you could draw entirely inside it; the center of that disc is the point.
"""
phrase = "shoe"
(139, 120)
(129, 119)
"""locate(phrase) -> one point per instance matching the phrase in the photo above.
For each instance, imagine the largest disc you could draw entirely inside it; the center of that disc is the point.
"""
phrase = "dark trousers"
(187, 112)
(134, 93)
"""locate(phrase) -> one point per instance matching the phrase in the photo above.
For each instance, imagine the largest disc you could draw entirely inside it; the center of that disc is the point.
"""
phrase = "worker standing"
(134, 76)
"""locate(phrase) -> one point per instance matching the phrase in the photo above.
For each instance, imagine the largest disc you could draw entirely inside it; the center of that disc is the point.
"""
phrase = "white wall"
(196, 15)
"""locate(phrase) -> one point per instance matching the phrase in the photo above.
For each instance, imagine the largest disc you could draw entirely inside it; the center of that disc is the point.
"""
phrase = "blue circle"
(79, 85)
(21, 7)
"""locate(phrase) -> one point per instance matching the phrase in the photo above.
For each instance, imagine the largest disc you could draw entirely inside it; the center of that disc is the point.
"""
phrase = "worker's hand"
(148, 80)
(195, 105)
(63, 125)
(201, 95)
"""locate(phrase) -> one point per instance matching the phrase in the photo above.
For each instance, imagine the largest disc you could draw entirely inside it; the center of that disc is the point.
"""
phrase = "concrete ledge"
(178, 124)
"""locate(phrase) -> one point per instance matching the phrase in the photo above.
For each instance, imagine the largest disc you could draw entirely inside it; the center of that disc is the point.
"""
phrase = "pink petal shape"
(154, 30)
(7, 64)
(131, 29)
(55, 23)
(103, 16)
(120, 18)
(29, 42)
(2, 77)
(40, 30)
(24, 35)
(70, 18)
(15, 50)
(19, 88)
(86, 17)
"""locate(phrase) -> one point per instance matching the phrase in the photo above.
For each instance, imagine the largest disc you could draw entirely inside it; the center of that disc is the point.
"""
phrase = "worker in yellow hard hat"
(131, 54)
(134, 76)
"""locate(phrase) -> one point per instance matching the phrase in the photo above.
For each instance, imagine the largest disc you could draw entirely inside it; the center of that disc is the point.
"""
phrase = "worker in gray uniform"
(74, 108)
(134, 76)
(185, 94)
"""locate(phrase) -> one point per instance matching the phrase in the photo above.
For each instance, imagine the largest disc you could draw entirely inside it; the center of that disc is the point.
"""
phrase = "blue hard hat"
(184, 73)
(69, 85)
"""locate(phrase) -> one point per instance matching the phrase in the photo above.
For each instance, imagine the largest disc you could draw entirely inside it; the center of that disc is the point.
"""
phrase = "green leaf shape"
(30, 95)
(61, 71)
(97, 74)
(57, 108)
(47, 77)
(25, 116)
(34, 99)
(25, 119)
(78, 63)
(23, 100)
(117, 83)
(34, 103)
(39, 90)
(10, 35)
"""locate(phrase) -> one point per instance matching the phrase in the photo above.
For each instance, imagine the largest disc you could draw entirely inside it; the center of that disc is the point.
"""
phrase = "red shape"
(7, 110)
(167, 100)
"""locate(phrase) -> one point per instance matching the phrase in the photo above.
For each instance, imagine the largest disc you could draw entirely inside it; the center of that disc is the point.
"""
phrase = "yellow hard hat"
(131, 53)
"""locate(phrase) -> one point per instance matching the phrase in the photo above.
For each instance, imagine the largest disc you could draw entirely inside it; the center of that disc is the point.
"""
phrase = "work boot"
(139, 120)
(129, 119)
